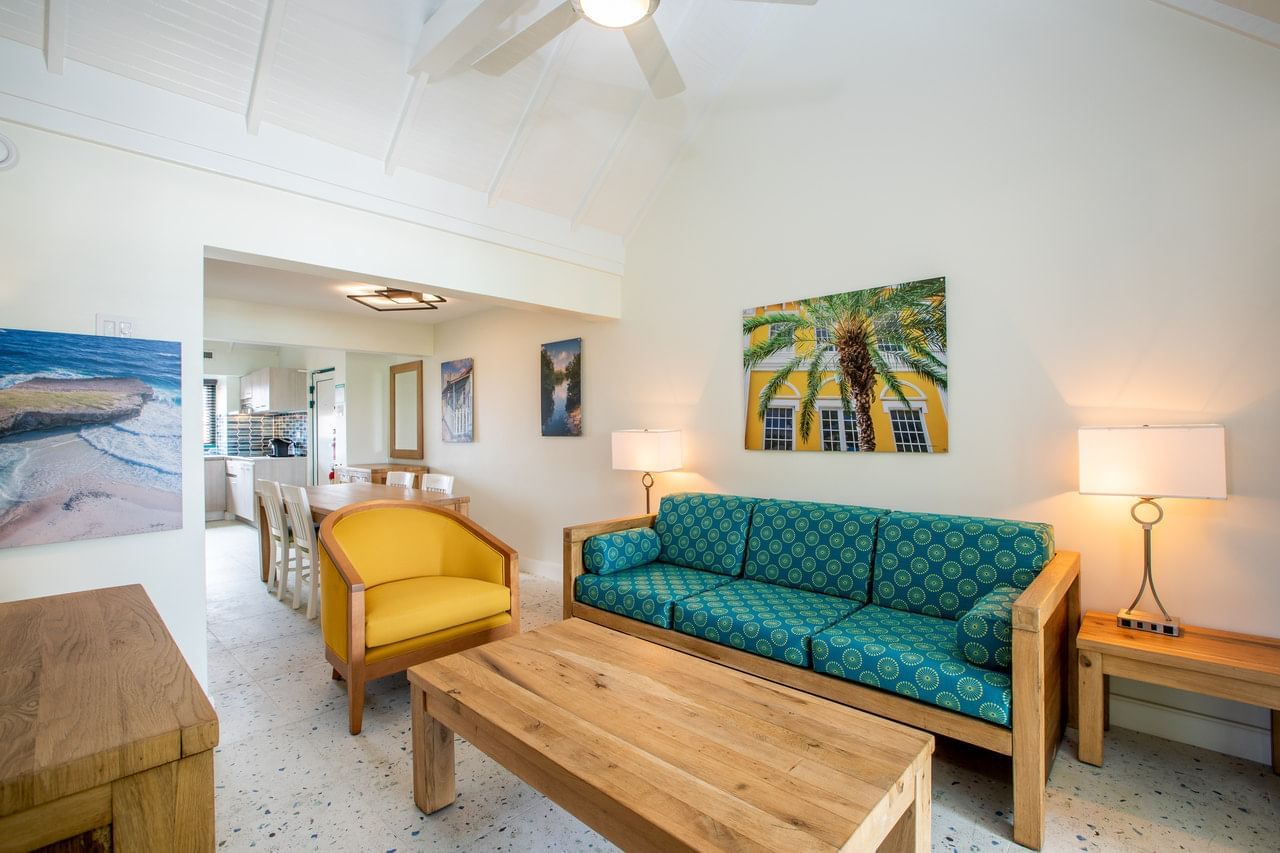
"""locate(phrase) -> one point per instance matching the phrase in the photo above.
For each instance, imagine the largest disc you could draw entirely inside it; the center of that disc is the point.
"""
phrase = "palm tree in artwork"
(849, 334)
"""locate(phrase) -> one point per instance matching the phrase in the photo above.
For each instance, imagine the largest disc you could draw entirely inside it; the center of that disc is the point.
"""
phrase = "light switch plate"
(116, 326)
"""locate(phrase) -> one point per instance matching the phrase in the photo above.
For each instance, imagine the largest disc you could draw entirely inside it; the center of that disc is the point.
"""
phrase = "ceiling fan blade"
(526, 43)
(655, 60)
(454, 31)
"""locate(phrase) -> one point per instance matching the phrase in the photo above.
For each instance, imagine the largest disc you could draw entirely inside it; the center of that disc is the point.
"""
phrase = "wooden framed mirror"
(406, 411)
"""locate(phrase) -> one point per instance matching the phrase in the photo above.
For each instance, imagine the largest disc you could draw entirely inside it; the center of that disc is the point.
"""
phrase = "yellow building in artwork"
(917, 426)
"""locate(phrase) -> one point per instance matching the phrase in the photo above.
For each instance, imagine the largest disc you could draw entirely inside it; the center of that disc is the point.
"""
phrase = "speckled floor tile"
(288, 776)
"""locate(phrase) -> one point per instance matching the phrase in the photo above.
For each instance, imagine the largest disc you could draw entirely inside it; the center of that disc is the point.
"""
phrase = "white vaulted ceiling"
(571, 136)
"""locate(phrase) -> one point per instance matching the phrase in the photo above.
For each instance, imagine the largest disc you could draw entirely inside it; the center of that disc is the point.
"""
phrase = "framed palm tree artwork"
(864, 370)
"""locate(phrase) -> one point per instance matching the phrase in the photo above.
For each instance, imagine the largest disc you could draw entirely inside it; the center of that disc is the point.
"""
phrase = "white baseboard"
(542, 568)
(1232, 737)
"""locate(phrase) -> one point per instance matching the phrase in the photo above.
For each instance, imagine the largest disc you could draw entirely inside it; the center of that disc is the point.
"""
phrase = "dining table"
(330, 498)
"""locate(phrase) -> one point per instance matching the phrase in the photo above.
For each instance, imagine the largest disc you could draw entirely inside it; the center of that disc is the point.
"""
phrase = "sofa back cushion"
(704, 531)
(817, 547)
(940, 565)
(614, 552)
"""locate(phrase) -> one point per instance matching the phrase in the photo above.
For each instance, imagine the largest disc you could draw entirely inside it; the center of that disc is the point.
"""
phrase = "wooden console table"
(1241, 667)
(106, 738)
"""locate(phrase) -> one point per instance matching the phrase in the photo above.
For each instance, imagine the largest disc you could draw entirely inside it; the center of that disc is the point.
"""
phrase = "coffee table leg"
(1092, 702)
(433, 779)
(913, 831)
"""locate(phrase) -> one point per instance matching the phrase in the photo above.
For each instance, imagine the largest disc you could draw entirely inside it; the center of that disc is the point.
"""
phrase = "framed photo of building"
(457, 387)
(863, 370)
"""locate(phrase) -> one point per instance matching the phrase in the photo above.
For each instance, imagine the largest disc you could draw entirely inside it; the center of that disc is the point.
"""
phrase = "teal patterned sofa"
(959, 625)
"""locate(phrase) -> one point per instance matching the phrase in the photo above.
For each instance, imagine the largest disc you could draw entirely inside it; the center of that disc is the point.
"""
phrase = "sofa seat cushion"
(985, 633)
(762, 618)
(644, 592)
(817, 547)
(616, 552)
(913, 655)
(704, 531)
(401, 610)
(940, 565)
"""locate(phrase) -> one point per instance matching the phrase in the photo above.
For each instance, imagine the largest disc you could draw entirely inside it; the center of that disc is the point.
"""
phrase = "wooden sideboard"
(379, 470)
(107, 737)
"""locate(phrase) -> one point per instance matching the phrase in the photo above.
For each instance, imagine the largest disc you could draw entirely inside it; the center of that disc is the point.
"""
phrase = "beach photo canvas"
(864, 370)
(90, 436)
(561, 381)
(457, 381)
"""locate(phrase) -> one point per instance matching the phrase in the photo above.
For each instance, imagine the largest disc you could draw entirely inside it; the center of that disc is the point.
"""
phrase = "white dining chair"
(303, 530)
(404, 479)
(440, 483)
(359, 475)
(279, 542)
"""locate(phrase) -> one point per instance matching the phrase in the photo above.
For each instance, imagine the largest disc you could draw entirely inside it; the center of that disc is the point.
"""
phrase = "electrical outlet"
(116, 326)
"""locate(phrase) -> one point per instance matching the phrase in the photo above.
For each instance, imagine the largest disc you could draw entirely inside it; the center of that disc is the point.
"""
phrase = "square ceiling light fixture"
(392, 299)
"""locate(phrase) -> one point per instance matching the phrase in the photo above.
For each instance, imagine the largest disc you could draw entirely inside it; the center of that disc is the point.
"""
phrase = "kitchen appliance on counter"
(281, 447)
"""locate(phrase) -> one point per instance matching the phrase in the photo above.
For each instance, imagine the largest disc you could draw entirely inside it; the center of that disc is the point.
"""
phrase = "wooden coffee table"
(659, 750)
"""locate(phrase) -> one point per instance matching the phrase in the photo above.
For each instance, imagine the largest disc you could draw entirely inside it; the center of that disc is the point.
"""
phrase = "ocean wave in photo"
(148, 446)
(11, 379)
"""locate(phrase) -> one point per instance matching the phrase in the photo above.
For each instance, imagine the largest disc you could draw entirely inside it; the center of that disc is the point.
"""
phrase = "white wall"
(1098, 181)
(233, 320)
(111, 232)
(369, 406)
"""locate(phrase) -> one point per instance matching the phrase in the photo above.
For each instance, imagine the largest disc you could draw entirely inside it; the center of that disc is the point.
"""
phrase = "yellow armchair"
(402, 583)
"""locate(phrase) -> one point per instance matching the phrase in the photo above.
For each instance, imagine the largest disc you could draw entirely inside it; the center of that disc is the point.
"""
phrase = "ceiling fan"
(455, 33)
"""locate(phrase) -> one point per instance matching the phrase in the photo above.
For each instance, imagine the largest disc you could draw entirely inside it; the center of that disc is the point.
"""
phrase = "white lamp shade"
(1154, 461)
(647, 450)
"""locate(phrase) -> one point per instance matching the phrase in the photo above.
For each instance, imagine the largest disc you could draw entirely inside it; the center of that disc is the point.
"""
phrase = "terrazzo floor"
(289, 777)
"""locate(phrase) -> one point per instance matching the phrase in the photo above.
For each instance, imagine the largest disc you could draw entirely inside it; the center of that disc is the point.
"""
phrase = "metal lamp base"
(1152, 623)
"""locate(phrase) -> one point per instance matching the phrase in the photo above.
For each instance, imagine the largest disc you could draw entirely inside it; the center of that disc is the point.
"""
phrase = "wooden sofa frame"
(355, 671)
(1045, 620)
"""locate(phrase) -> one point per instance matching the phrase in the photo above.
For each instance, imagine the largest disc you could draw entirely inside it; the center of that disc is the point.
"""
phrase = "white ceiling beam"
(1257, 19)
(728, 71)
(550, 71)
(55, 35)
(606, 166)
(620, 141)
(408, 111)
(271, 26)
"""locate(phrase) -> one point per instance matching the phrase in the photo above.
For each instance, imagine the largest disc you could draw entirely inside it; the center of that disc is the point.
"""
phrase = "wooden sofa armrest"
(1038, 602)
(583, 532)
(577, 534)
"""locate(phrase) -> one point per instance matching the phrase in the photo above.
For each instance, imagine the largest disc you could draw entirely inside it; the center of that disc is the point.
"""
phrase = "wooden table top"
(92, 688)
(327, 499)
(1247, 656)
(686, 753)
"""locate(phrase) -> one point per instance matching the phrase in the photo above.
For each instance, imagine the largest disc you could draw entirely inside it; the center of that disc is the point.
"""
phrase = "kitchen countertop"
(213, 457)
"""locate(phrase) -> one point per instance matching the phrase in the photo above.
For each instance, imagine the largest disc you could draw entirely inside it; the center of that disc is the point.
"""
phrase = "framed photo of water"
(561, 370)
(90, 436)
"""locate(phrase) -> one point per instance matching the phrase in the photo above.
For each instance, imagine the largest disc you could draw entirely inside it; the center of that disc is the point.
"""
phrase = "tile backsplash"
(250, 435)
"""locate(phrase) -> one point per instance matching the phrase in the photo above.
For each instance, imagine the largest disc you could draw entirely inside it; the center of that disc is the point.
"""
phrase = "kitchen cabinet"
(240, 485)
(215, 489)
(273, 389)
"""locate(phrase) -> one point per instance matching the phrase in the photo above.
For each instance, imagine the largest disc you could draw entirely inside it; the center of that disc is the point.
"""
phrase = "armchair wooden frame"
(355, 670)
(1045, 620)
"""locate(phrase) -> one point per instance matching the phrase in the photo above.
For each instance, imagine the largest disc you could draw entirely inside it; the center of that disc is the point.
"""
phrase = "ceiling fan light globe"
(615, 14)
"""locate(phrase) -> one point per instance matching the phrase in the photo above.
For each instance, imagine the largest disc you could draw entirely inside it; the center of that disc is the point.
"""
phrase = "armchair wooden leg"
(355, 701)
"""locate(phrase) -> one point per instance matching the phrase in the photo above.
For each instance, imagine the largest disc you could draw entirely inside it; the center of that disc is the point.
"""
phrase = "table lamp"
(647, 450)
(1149, 462)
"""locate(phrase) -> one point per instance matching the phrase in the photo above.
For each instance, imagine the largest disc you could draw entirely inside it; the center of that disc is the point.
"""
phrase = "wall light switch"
(115, 326)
